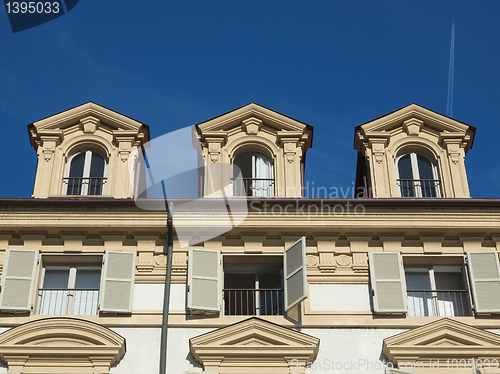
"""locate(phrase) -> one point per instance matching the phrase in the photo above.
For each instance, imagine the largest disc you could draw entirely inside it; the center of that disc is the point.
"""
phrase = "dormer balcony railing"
(419, 187)
(253, 186)
(84, 186)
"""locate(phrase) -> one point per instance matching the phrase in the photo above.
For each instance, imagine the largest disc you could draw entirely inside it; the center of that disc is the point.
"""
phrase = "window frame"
(86, 171)
(117, 267)
(272, 179)
(470, 279)
(70, 287)
(254, 271)
(416, 172)
(431, 270)
(295, 281)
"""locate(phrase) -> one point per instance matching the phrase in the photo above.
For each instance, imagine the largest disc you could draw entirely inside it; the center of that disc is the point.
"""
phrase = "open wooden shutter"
(18, 279)
(295, 275)
(388, 282)
(204, 280)
(117, 282)
(484, 271)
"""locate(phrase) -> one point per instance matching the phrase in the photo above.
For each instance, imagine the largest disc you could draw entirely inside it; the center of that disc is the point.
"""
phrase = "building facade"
(404, 277)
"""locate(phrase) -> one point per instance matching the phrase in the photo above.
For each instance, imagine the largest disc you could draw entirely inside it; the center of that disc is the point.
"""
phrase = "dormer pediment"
(253, 118)
(443, 339)
(413, 119)
(87, 119)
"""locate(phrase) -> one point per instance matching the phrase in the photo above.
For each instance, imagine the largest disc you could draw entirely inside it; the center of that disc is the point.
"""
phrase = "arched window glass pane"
(256, 171)
(96, 173)
(244, 162)
(262, 167)
(404, 167)
(262, 185)
(424, 167)
(97, 166)
(77, 165)
(75, 174)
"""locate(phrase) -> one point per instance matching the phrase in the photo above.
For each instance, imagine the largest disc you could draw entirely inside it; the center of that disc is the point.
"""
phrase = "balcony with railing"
(84, 186)
(64, 301)
(253, 186)
(252, 302)
(443, 303)
(419, 187)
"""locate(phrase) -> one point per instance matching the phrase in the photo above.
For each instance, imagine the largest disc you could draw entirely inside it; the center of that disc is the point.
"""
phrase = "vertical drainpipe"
(166, 293)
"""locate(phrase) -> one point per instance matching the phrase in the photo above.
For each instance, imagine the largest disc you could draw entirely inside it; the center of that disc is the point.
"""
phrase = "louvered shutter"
(204, 280)
(18, 279)
(485, 279)
(117, 282)
(295, 273)
(388, 282)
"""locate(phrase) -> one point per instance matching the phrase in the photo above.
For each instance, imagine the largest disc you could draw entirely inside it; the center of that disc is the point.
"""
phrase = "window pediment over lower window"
(443, 340)
(81, 346)
(230, 349)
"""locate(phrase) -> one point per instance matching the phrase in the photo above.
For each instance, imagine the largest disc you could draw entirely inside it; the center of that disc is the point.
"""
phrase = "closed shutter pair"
(205, 277)
(20, 274)
(389, 286)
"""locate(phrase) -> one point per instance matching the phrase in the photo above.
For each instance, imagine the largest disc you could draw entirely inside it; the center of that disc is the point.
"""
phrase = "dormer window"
(418, 176)
(85, 174)
(257, 175)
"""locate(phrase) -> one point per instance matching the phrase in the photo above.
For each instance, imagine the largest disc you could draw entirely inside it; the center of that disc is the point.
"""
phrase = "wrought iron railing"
(64, 301)
(441, 303)
(253, 186)
(252, 302)
(419, 187)
(84, 186)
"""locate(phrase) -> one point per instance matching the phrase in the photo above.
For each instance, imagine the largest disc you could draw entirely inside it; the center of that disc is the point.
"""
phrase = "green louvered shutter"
(18, 279)
(484, 271)
(204, 280)
(388, 282)
(117, 283)
(295, 275)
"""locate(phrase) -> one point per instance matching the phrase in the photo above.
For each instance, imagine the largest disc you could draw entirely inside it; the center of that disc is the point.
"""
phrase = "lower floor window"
(69, 290)
(437, 290)
(254, 293)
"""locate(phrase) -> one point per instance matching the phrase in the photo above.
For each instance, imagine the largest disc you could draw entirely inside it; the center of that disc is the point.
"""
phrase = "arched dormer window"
(257, 175)
(85, 174)
(417, 176)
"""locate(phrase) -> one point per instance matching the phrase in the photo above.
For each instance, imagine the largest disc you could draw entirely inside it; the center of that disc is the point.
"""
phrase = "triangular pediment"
(87, 118)
(259, 118)
(443, 337)
(108, 117)
(255, 330)
(431, 119)
(253, 336)
(413, 119)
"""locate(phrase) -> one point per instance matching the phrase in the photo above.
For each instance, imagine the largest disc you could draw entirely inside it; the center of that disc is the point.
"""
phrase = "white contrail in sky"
(449, 104)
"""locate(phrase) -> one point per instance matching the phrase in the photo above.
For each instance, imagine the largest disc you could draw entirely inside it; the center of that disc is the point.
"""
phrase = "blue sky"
(332, 64)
